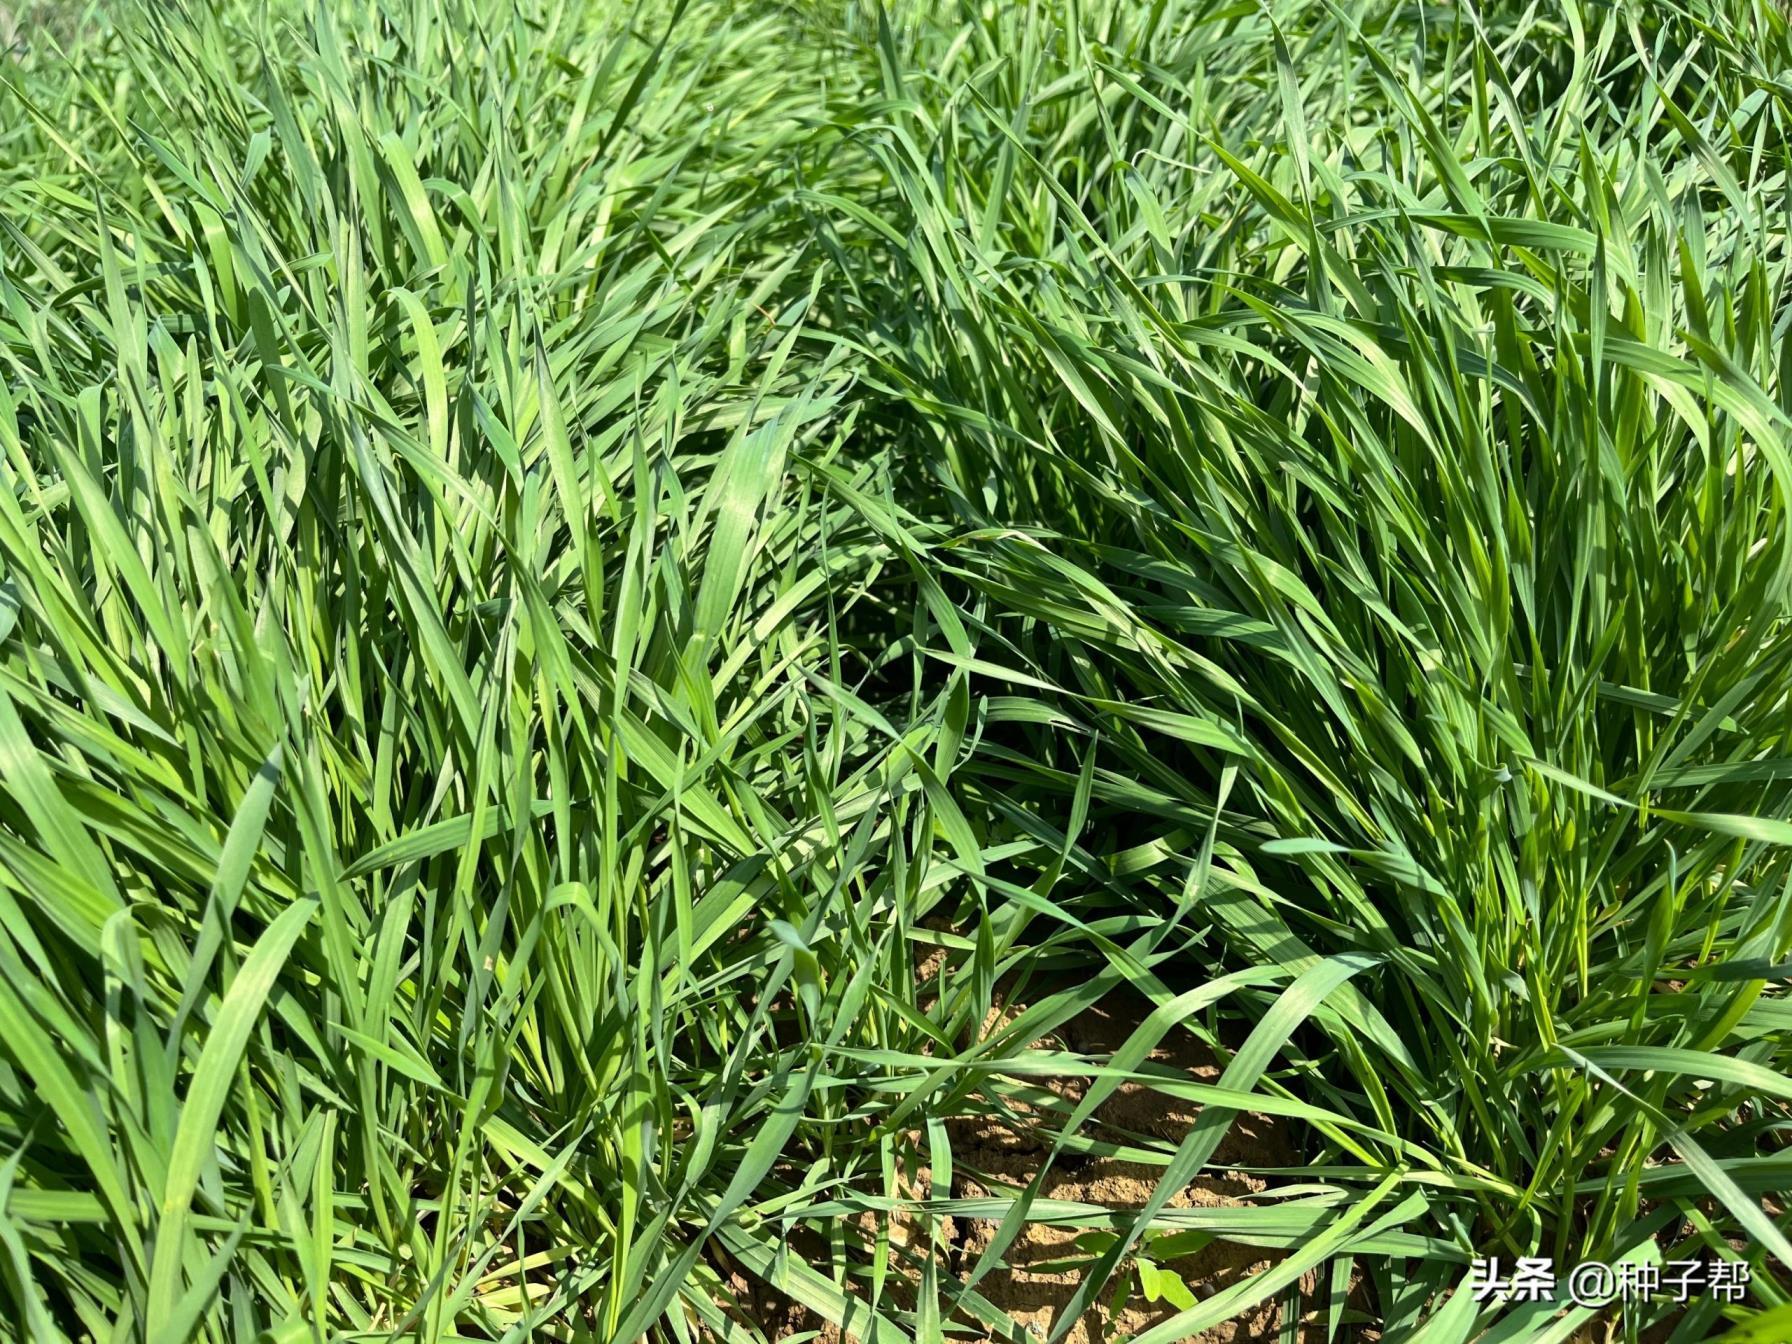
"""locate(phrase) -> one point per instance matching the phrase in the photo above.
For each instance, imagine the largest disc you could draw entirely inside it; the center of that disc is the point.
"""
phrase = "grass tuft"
(612, 618)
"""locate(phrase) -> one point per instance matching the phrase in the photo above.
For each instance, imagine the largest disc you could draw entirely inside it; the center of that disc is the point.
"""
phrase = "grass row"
(551, 553)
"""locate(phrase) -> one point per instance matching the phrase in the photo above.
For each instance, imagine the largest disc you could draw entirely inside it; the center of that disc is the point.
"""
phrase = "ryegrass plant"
(1384, 523)
(550, 553)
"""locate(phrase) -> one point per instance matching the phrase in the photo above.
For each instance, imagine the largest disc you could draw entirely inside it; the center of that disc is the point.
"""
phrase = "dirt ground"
(1034, 1296)
(996, 1158)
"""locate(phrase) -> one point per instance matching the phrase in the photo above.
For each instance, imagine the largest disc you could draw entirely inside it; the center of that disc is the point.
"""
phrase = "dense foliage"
(554, 556)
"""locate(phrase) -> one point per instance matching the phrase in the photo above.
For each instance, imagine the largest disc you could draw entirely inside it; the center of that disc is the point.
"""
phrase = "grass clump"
(609, 620)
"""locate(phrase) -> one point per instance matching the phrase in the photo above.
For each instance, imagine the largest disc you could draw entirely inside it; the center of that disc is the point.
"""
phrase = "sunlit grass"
(551, 554)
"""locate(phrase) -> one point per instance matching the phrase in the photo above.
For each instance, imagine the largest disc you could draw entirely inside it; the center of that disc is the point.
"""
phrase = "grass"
(550, 554)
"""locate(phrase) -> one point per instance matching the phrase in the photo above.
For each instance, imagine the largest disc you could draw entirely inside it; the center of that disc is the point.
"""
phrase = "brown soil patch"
(997, 1157)
(993, 1158)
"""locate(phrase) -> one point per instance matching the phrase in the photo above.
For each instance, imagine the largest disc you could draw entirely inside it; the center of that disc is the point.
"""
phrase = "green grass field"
(615, 623)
